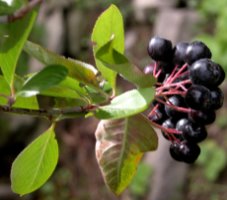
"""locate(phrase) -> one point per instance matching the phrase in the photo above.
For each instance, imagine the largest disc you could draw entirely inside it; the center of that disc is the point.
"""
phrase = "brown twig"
(23, 11)
(47, 113)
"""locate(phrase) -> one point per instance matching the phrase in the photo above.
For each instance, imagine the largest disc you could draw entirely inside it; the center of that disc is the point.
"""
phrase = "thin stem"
(169, 85)
(172, 74)
(23, 11)
(158, 73)
(153, 111)
(47, 113)
(177, 74)
(171, 93)
(178, 108)
(166, 130)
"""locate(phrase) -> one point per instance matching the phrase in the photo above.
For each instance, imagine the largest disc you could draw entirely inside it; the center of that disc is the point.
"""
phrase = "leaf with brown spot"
(120, 145)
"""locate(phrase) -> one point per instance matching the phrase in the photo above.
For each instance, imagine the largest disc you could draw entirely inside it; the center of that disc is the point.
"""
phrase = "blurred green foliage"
(221, 120)
(213, 159)
(8, 7)
(124, 6)
(57, 187)
(140, 182)
(215, 16)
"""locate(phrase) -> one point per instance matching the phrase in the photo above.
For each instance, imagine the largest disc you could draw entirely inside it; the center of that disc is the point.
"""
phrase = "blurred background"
(65, 26)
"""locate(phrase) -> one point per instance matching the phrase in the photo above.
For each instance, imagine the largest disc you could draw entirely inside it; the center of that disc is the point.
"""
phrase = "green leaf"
(26, 102)
(59, 91)
(141, 180)
(116, 61)
(213, 159)
(35, 164)
(21, 102)
(81, 71)
(12, 42)
(120, 146)
(8, 7)
(127, 104)
(50, 76)
(75, 85)
(109, 26)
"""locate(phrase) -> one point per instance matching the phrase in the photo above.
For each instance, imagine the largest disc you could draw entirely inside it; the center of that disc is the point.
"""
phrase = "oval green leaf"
(50, 76)
(109, 26)
(126, 104)
(35, 164)
(83, 72)
(12, 42)
(120, 146)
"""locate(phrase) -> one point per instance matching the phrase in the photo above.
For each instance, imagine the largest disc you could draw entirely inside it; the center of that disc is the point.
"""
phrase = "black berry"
(197, 50)
(175, 151)
(184, 151)
(186, 94)
(160, 49)
(198, 97)
(191, 132)
(206, 72)
(175, 101)
(202, 117)
(179, 53)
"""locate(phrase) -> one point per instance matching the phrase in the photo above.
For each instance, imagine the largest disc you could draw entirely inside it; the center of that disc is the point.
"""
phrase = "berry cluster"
(187, 94)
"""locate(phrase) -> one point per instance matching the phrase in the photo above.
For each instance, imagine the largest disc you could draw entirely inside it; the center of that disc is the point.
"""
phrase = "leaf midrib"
(40, 160)
(119, 165)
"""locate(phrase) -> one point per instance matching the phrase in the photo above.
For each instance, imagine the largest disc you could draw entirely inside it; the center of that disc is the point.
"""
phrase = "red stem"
(166, 130)
(169, 85)
(178, 108)
(153, 110)
(178, 73)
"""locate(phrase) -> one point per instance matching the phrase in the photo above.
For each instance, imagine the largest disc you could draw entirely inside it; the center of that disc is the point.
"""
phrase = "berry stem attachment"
(178, 108)
(178, 73)
(166, 130)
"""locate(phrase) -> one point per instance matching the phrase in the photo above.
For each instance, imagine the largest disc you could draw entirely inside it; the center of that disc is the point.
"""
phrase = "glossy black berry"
(175, 151)
(184, 151)
(191, 132)
(217, 98)
(206, 72)
(179, 53)
(202, 117)
(198, 97)
(180, 126)
(175, 101)
(160, 49)
(197, 50)
(189, 151)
